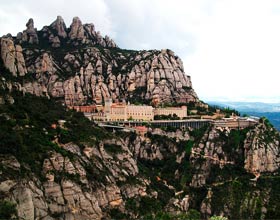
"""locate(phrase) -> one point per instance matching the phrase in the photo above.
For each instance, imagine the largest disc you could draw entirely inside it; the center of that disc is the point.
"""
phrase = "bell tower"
(107, 108)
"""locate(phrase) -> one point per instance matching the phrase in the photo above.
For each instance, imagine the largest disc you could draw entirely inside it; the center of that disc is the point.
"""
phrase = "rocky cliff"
(236, 169)
(55, 164)
(79, 66)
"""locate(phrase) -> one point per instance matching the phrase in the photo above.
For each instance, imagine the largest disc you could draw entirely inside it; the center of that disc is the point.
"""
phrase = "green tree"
(192, 214)
(7, 210)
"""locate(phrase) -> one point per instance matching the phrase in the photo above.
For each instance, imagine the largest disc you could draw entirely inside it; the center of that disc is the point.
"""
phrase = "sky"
(230, 48)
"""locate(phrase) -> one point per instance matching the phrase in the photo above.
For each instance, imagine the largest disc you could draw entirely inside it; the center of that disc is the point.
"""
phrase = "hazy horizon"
(229, 48)
(266, 100)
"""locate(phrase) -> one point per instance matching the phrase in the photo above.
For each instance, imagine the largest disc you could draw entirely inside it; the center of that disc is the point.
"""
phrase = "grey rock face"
(206, 154)
(90, 30)
(97, 80)
(30, 34)
(55, 42)
(25, 206)
(262, 150)
(45, 64)
(12, 57)
(76, 29)
(66, 196)
(60, 27)
(110, 42)
(96, 179)
(261, 153)
(8, 54)
(20, 62)
(91, 74)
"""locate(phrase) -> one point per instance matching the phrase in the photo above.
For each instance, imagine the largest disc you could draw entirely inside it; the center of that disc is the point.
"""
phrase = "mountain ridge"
(249, 106)
(79, 66)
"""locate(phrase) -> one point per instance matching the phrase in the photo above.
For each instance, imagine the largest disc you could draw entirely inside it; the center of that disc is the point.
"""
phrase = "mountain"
(78, 66)
(257, 109)
(56, 164)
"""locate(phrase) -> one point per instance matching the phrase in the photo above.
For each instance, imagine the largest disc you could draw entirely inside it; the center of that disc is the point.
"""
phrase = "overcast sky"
(231, 48)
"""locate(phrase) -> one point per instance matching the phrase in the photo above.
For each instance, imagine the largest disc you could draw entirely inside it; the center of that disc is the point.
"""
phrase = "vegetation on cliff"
(171, 165)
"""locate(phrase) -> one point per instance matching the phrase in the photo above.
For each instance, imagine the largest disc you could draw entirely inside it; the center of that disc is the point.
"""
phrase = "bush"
(192, 214)
(27, 130)
(149, 205)
(7, 210)
(189, 146)
(117, 214)
(215, 217)
(113, 148)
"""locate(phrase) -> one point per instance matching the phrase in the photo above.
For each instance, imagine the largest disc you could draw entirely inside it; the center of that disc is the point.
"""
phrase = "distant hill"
(259, 109)
(274, 117)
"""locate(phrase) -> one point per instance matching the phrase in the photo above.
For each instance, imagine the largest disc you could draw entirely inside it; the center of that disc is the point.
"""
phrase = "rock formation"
(76, 30)
(30, 34)
(262, 150)
(60, 27)
(97, 70)
(109, 174)
(12, 57)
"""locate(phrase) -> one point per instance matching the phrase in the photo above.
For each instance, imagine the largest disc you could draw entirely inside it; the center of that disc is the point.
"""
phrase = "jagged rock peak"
(30, 34)
(90, 30)
(59, 26)
(76, 22)
(76, 19)
(90, 27)
(76, 29)
(30, 24)
(110, 42)
(76, 34)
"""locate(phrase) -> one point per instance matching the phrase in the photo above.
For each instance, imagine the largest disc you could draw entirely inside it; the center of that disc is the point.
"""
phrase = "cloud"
(238, 51)
(15, 14)
(156, 24)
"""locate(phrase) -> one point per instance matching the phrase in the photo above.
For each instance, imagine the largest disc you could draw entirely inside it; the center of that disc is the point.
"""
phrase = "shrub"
(192, 214)
(215, 217)
(7, 210)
